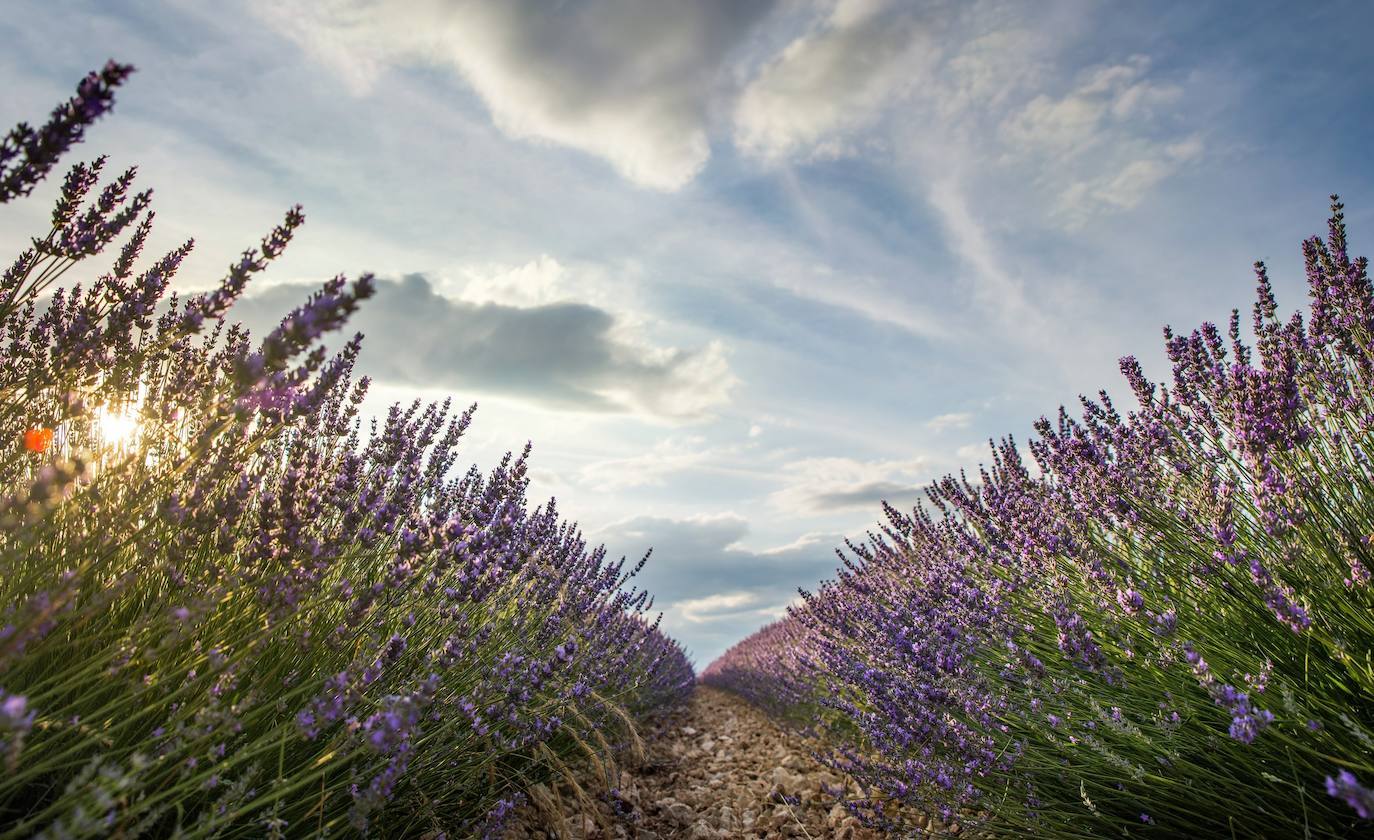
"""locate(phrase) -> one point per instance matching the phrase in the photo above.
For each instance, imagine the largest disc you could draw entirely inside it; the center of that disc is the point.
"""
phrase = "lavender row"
(1160, 623)
(228, 607)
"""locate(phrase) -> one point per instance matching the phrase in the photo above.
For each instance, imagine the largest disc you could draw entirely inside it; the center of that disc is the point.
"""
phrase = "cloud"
(827, 485)
(863, 295)
(829, 84)
(1129, 185)
(953, 420)
(566, 355)
(1099, 140)
(868, 494)
(731, 459)
(991, 68)
(994, 175)
(711, 589)
(973, 453)
(715, 607)
(703, 555)
(728, 608)
(646, 469)
(1075, 122)
(994, 286)
(631, 81)
(535, 283)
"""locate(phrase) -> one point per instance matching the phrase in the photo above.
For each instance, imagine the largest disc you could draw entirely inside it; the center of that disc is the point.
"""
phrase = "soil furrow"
(718, 768)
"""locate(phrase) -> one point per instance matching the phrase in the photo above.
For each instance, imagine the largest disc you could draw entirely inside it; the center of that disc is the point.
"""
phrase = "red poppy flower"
(38, 440)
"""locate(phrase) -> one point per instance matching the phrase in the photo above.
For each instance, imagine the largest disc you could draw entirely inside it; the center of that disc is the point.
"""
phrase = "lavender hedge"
(1163, 627)
(229, 609)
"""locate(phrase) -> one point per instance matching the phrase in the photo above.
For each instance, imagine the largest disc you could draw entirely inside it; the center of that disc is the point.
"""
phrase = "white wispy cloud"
(1105, 98)
(952, 420)
(1099, 142)
(828, 85)
(698, 610)
(827, 485)
(973, 453)
(668, 457)
(1128, 186)
(995, 286)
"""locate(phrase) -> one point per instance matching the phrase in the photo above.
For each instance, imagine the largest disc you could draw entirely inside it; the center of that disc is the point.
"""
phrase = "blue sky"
(740, 269)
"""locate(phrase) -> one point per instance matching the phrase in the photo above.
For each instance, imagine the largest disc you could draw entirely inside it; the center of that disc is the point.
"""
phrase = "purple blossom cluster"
(27, 154)
(1345, 786)
(246, 610)
(15, 722)
(1159, 624)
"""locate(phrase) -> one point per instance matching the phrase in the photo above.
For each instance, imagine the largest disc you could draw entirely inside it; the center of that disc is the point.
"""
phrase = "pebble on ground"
(715, 770)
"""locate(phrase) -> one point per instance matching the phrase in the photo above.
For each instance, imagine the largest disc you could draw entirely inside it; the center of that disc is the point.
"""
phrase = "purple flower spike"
(1024, 625)
(1345, 786)
(27, 155)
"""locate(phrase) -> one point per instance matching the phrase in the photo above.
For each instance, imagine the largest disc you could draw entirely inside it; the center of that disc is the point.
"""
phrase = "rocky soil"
(717, 769)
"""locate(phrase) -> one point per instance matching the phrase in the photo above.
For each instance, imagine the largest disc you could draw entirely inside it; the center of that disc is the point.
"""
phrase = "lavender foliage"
(230, 607)
(1160, 625)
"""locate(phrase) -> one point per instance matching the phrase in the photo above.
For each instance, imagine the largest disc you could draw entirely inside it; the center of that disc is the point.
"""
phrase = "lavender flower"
(27, 155)
(16, 721)
(970, 648)
(1345, 786)
(258, 594)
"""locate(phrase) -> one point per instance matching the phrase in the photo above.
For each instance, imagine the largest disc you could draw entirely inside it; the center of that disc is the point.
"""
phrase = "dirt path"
(718, 769)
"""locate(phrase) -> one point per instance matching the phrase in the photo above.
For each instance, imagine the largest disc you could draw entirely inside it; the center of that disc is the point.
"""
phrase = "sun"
(118, 427)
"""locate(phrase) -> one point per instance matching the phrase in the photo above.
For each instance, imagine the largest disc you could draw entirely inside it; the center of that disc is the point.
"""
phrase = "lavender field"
(1159, 623)
(231, 610)
(755, 534)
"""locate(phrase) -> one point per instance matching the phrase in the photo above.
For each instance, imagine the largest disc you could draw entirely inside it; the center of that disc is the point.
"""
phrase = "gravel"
(717, 769)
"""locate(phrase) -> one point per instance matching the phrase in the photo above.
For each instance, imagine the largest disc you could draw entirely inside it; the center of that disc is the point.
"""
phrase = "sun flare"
(118, 427)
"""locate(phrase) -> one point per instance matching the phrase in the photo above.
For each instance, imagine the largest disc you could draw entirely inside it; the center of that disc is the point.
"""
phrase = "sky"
(740, 269)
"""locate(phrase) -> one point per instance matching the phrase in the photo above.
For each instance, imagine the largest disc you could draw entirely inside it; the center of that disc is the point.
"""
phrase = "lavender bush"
(229, 609)
(1164, 627)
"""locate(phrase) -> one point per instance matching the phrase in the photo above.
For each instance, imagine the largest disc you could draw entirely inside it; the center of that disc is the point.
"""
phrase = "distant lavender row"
(1165, 628)
(226, 608)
